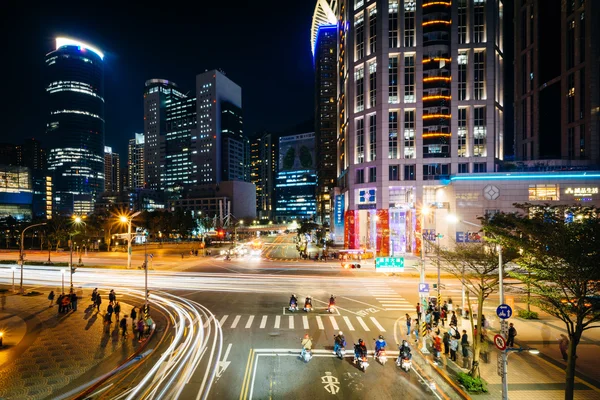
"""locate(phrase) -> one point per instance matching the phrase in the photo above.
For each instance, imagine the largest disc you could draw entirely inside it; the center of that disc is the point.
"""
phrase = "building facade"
(264, 169)
(181, 157)
(16, 192)
(557, 82)
(158, 93)
(135, 162)
(421, 99)
(75, 118)
(112, 171)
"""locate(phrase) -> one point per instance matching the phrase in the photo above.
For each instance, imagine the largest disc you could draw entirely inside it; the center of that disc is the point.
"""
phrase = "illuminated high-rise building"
(135, 162)
(112, 171)
(75, 121)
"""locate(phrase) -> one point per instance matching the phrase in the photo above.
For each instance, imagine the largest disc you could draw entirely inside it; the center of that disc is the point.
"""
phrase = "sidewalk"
(46, 351)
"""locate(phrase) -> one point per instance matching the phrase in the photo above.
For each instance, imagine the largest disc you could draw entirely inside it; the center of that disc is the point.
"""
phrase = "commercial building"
(16, 193)
(158, 93)
(30, 154)
(181, 157)
(135, 162)
(296, 179)
(75, 120)
(264, 170)
(557, 81)
(324, 46)
(112, 171)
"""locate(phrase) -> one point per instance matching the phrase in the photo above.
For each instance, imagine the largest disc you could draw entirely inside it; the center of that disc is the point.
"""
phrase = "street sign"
(500, 365)
(500, 342)
(389, 264)
(504, 311)
(504, 328)
(424, 288)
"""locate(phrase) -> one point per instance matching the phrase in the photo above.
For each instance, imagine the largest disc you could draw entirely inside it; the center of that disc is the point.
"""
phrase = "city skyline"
(179, 52)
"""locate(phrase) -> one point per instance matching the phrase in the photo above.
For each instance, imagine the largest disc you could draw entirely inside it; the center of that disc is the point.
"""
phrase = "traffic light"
(221, 233)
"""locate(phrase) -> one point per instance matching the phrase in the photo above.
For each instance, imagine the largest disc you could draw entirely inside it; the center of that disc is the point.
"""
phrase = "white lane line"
(249, 323)
(398, 309)
(348, 323)
(377, 324)
(277, 321)
(320, 323)
(305, 321)
(208, 321)
(291, 322)
(362, 323)
(394, 302)
(235, 321)
(263, 322)
(222, 321)
(334, 323)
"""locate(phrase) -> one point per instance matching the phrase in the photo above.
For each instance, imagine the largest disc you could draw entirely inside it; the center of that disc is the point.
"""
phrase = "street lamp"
(77, 221)
(127, 219)
(22, 255)
(504, 371)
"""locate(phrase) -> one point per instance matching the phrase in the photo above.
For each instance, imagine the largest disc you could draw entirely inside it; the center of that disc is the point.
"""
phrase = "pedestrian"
(117, 310)
(453, 348)
(112, 296)
(416, 330)
(450, 305)
(418, 310)
(443, 317)
(94, 294)
(98, 301)
(436, 317)
(563, 345)
(123, 326)
(512, 333)
(149, 324)
(51, 297)
(453, 319)
(133, 315)
(437, 346)
(73, 301)
(446, 340)
(408, 319)
(107, 322)
(464, 344)
(59, 302)
(66, 302)
(485, 324)
(110, 309)
(140, 329)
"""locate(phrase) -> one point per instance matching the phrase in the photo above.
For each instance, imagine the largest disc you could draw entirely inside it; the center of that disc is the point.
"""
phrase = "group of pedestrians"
(65, 302)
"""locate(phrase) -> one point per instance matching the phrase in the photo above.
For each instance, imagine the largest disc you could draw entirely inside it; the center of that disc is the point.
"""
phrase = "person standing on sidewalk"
(73, 301)
(112, 297)
(107, 322)
(418, 313)
(117, 310)
(94, 295)
(446, 340)
(123, 326)
(110, 309)
(453, 348)
(464, 344)
(98, 301)
(59, 302)
(408, 325)
(453, 319)
(563, 345)
(133, 316)
(512, 332)
(140, 329)
(51, 297)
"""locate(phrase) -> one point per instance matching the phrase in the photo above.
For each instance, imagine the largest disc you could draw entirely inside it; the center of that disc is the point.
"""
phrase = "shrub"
(33, 293)
(472, 385)
(527, 314)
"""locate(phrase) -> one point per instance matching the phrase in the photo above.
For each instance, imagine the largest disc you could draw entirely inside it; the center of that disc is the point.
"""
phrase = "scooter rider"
(379, 345)
(331, 301)
(306, 343)
(293, 300)
(339, 341)
(360, 350)
(404, 351)
(307, 302)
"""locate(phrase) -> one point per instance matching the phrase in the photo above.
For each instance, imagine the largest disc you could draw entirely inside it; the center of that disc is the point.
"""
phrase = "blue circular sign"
(504, 311)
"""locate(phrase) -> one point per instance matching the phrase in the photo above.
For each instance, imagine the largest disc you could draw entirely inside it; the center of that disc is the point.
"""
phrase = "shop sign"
(389, 264)
(468, 237)
(581, 191)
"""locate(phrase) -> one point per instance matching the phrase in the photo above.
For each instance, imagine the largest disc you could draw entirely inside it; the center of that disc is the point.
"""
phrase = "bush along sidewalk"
(527, 314)
(472, 385)
(56, 264)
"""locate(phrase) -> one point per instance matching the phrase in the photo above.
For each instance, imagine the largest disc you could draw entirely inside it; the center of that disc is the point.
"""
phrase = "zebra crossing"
(387, 297)
(347, 323)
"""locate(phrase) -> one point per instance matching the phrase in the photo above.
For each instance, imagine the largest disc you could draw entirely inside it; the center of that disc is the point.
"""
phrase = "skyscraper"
(324, 45)
(264, 168)
(421, 98)
(135, 162)
(557, 81)
(112, 171)
(158, 93)
(75, 120)
(32, 155)
(181, 157)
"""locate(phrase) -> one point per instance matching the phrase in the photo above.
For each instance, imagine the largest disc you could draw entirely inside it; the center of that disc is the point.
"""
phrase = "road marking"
(334, 323)
(371, 305)
(263, 322)
(291, 322)
(331, 383)
(222, 365)
(222, 321)
(305, 321)
(249, 323)
(397, 309)
(208, 321)
(235, 322)
(348, 323)
(277, 321)
(362, 323)
(377, 324)
(245, 382)
(320, 323)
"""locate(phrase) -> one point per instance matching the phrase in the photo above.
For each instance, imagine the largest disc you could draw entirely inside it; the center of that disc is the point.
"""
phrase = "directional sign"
(504, 328)
(424, 288)
(504, 311)
(222, 366)
(389, 264)
(331, 383)
(500, 342)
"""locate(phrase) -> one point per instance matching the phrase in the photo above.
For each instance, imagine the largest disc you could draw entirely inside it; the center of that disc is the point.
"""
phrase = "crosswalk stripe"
(362, 323)
(320, 323)
(397, 309)
(305, 321)
(223, 319)
(377, 324)
(277, 321)
(249, 323)
(208, 321)
(348, 323)
(235, 321)
(263, 322)
(291, 322)
(333, 322)
(394, 302)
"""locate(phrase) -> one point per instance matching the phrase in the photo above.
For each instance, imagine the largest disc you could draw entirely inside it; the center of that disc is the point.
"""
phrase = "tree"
(58, 228)
(559, 249)
(476, 266)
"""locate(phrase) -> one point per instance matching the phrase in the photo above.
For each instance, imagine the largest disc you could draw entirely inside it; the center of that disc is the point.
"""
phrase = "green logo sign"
(389, 264)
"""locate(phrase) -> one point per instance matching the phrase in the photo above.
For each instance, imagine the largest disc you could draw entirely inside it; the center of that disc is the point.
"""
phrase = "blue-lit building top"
(75, 117)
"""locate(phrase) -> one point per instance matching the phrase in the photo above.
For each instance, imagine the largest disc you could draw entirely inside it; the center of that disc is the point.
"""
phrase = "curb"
(446, 378)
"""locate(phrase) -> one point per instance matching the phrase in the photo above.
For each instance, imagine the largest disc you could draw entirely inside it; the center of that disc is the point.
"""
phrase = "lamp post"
(22, 255)
(62, 272)
(127, 219)
(77, 221)
(424, 211)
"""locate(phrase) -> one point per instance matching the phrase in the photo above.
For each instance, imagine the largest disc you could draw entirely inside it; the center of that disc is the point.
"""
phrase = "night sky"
(262, 46)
